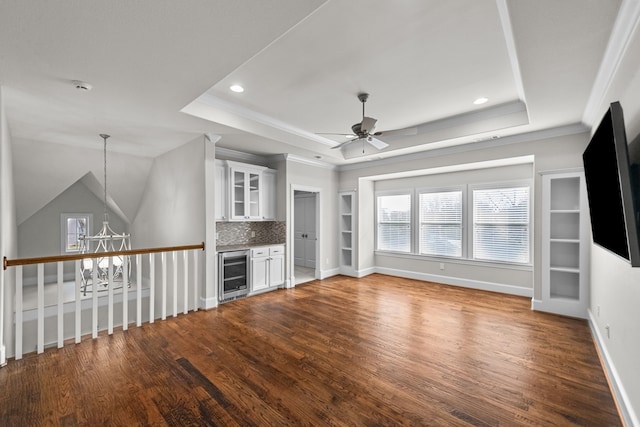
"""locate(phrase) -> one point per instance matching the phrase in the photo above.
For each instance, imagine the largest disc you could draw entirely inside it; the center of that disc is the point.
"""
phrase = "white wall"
(326, 179)
(508, 279)
(45, 170)
(8, 234)
(615, 285)
(41, 234)
(172, 209)
(551, 153)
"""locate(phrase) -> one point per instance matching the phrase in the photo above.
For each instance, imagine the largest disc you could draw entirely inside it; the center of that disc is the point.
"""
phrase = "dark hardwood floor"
(367, 352)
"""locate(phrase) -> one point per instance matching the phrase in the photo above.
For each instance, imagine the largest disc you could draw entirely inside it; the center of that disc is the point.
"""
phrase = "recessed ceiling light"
(236, 88)
(480, 100)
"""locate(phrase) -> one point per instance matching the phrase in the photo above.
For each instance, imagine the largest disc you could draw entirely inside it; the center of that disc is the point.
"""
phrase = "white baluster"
(94, 298)
(40, 308)
(163, 259)
(185, 280)
(138, 290)
(195, 280)
(174, 255)
(78, 330)
(110, 293)
(60, 304)
(125, 293)
(19, 312)
(152, 287)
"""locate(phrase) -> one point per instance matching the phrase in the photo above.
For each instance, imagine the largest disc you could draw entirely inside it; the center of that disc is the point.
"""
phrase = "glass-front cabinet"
(245, 193)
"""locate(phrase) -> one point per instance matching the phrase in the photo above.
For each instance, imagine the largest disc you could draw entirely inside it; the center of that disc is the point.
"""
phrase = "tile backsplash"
(239, 233)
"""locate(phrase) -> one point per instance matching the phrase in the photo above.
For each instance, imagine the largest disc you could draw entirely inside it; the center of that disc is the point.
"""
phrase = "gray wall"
(172, 209)
(561, 152)
(484, 275)
(41, 234)
(8, 232)
(325, 179)
(615, 285)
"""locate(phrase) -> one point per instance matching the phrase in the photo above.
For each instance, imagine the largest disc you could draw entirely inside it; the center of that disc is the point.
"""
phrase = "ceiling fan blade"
(377, 143)
(335, 147)
(398, 132)
(368, 125)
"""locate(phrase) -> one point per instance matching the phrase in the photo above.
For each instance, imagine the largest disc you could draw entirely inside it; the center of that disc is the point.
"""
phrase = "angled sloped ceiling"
(45, 170)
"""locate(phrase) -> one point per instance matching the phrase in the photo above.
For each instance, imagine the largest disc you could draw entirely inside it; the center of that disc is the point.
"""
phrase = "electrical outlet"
(598, 311)
(253, 234)
(608, 329)
(442, 266)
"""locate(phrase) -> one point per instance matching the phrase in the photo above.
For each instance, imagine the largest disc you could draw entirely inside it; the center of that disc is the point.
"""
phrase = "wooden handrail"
(28, 261)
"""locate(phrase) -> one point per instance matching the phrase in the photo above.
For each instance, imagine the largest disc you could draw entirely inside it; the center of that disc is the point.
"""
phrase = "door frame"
(290, 231)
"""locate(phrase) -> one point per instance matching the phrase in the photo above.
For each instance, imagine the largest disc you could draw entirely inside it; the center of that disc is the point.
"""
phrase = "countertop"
(227, 248)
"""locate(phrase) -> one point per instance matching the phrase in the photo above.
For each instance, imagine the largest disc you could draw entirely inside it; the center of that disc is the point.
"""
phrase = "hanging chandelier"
(106, 240)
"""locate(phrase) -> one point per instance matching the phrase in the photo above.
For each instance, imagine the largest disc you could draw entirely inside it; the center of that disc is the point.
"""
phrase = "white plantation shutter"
(394, 223)
(501, 224)
(441, 223)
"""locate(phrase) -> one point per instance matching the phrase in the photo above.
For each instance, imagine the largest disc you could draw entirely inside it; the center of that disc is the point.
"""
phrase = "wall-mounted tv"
(613, 188)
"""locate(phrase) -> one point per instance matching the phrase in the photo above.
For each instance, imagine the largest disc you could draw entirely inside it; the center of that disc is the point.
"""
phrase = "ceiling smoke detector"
(80, 85)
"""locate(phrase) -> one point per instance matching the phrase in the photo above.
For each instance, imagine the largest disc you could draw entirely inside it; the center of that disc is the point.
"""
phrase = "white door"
(310, 232)
(304, 230)
(298, 231)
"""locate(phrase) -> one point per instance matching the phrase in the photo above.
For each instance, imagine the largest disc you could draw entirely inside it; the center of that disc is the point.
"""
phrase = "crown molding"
(263, 119)
(310, 162)
(572, 129)
(623, 29)
(240, 156)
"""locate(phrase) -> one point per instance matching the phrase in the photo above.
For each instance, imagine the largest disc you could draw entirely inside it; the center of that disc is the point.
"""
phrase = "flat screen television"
(612, 188)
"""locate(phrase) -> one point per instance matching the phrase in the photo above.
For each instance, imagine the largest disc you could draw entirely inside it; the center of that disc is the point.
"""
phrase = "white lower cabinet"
(267, 267)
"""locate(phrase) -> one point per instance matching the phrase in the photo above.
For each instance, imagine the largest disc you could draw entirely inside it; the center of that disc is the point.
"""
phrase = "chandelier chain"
(104, 137)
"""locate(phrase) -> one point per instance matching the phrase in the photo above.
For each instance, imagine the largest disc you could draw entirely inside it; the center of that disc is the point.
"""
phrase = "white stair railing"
(49, 305)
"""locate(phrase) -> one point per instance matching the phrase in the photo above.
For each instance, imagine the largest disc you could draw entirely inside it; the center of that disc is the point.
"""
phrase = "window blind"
(394, 223)
(501, 224)
(441, 223)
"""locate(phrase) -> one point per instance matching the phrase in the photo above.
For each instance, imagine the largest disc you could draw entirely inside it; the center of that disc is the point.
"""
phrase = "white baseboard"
(629, 416)
(3, 355)
(208, 303)
(328, 273)
(455, 281)
(563, 307)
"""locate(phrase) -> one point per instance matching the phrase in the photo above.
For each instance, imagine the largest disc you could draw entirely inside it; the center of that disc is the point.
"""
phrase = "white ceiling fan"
(365, 130)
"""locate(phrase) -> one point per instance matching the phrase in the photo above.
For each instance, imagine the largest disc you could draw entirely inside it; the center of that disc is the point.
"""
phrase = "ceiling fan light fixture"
(481, 100)
(236, 88)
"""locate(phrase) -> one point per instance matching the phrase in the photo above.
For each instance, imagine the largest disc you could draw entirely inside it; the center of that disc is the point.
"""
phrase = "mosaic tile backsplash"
(239, 233)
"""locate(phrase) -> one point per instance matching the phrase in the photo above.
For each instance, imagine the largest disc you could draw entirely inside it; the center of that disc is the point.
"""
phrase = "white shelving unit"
(346, 209)
(565, 245)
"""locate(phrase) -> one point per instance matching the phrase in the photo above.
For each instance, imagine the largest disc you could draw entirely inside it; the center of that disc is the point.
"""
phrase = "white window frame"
(460, 188)
(411, 195)
(471, 220)
(64, 232)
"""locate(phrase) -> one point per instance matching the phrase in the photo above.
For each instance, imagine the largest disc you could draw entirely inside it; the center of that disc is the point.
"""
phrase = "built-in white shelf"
(346, 208)
(565, 240)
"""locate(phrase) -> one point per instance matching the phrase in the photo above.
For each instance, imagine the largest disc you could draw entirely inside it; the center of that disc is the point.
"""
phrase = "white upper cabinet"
(269, 179)
(221, 191)
(244, 192)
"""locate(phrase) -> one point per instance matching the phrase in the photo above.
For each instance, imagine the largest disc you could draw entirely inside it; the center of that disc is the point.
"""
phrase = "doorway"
(305, 235)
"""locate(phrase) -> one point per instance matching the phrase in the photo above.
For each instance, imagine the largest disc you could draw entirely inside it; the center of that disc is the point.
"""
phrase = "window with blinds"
(441, 223)
(393, 222)
(501, 224)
